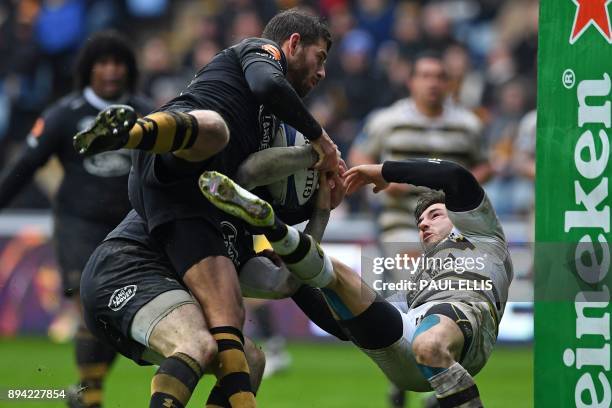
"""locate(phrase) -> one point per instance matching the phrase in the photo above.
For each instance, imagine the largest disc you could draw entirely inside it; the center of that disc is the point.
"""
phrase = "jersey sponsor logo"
(230, 235)
(37, 130)
(108, 164)
(272, 50)
(38, 127)
(120, 297)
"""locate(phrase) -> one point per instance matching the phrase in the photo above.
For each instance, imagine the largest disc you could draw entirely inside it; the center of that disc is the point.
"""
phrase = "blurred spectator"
(437, 29)
(508, 193)
(357, 90)
(376, 17)
(245, 24)
(525, 146)
(406, 30)
(466, 86)
(160, 78)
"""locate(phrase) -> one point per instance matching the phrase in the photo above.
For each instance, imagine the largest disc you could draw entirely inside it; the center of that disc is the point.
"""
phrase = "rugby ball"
(295, 190)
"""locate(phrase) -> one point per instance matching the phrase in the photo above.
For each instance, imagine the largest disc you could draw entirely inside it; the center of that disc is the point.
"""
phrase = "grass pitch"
(322, 375)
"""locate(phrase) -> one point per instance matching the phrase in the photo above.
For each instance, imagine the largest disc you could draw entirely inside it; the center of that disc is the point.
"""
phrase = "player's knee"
(201, 346)
(213, 133)
(430, 350)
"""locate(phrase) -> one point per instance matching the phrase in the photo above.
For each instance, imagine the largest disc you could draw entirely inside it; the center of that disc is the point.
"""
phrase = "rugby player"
(439, 338)
(181, 245)
(92, 197)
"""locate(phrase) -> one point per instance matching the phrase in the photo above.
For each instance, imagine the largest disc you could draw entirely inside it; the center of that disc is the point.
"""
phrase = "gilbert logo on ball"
(573, 231)
(297, 189)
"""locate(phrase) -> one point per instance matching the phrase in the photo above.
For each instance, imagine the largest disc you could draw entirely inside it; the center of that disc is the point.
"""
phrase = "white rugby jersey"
(478, 236)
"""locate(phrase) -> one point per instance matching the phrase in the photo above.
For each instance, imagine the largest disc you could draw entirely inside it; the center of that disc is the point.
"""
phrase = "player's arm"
(273, 164)
(469, 209)
(463, 193)
(41, 144)
(328, 198)
(264, 67)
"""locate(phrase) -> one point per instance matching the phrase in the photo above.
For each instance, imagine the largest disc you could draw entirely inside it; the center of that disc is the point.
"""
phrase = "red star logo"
(593, 12)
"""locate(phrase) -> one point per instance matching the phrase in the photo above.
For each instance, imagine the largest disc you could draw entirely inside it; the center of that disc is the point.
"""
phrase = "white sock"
(288, 243)
(455, 388)
(314, 267)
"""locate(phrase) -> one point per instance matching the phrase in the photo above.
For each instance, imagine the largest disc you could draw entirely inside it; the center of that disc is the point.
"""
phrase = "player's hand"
(271, 255)
(324, 192)
(338, 191)
(359, 176)
(328, 152)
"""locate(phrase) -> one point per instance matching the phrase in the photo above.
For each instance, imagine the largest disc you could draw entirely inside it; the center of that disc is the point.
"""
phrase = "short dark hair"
(426, 200)
(310, 28)
(104, 44)
(427, 54)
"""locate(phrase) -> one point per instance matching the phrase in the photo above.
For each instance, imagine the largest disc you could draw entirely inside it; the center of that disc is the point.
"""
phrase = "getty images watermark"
(407, 273)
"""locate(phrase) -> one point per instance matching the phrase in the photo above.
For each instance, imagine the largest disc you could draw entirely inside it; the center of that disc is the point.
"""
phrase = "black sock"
(174, 381)
(93, 359)
(217, 398)
(235, 378)
(312, 302)
(366, 329)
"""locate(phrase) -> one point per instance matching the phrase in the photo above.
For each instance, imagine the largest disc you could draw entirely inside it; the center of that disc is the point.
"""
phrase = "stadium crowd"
(488, 47)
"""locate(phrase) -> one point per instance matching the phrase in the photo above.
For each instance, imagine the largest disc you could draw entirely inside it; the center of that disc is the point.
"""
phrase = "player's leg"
(356, 306)
(171, 338)
(194, 135)
(439, 343)
(214, 283)
(266, 277)
(75, 240)
(199, 250)
(126, 291)
(94, 359)
(257, 362)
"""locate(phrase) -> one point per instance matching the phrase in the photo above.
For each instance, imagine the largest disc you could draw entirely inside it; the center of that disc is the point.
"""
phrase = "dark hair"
(310, 28)
(427, 54)
(104, 44)
(426, 200)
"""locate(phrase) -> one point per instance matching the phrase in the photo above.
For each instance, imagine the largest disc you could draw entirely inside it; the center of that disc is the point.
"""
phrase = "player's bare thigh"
(213, 136)
(214, 283)
(353, 292)
(184, 330)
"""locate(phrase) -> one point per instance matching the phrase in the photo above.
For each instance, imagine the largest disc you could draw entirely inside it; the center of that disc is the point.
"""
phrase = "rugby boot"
(229, 197)
(109, 131)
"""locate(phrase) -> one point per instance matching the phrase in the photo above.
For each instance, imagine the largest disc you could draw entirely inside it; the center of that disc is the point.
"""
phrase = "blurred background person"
(92, 195)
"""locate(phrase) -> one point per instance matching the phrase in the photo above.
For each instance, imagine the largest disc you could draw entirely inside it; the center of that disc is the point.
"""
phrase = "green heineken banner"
(573, 198)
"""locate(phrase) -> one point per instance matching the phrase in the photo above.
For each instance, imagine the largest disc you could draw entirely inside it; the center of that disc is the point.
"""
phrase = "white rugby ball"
(295, 190)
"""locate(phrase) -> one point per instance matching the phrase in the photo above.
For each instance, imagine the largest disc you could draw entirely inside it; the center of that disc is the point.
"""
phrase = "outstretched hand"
(358, 176)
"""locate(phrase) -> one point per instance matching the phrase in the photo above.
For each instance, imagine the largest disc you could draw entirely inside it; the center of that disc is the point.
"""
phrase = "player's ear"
(294, 43)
